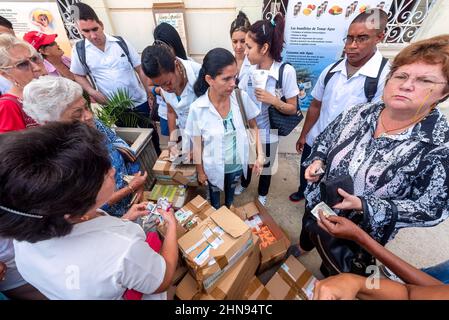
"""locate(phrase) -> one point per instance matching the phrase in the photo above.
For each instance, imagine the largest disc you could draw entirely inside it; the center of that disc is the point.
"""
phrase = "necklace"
(385, 133)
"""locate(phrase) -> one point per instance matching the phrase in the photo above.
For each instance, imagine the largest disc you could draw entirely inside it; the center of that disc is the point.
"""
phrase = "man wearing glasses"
(346, 83)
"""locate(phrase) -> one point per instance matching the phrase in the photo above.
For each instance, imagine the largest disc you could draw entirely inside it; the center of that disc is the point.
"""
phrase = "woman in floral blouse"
(396, 151)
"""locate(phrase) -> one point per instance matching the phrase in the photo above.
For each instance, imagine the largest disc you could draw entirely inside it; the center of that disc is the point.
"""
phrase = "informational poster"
(173, 14)
(314, 34)
(38, 16)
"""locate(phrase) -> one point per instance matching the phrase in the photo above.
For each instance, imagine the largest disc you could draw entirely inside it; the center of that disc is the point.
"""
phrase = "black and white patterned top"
(410, 169)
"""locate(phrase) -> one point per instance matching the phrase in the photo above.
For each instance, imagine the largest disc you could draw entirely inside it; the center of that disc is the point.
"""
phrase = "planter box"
(140, 141)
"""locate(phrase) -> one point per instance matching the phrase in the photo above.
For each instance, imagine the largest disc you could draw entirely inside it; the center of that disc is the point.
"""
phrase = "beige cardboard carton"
(214, 246)
(168, 173)
(292, 282)
(276, 251)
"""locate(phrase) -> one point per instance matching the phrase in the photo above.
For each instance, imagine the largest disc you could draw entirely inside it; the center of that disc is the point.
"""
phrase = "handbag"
(341, 255)
(328, 189)
(284, 123)
(252, 138)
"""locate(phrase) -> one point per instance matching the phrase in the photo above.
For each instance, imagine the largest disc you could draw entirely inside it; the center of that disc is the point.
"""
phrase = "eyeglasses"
(357, 39)
(421, 82)
(24, 65)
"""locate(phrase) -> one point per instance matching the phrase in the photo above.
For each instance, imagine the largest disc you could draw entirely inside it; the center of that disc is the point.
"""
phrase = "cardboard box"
(198, 210)
(177, 194)
(276, 251)
(214, 246)
(168, 173)
(292, 282)
(230, 287)
(257, 291)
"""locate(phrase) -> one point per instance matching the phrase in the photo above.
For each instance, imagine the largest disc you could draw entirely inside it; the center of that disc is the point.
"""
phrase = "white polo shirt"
(289, 90)
(342, 93)
(204, 121)
(182, 106)
(111, 68)
(99, 259)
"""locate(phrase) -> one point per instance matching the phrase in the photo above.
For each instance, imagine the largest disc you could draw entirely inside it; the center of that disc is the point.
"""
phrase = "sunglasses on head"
(24, 65)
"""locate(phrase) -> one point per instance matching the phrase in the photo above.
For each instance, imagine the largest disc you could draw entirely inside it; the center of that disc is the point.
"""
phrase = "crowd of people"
(373, 146)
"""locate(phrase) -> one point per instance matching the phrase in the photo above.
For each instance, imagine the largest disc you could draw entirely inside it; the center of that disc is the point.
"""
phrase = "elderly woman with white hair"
(51, 98)
(19, 63)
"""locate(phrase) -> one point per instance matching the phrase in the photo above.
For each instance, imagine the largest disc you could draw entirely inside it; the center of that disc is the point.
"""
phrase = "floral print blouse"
(409, 170)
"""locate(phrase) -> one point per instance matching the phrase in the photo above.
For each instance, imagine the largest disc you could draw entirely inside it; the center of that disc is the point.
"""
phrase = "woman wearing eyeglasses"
(56, 63)
(395, 151)
(19, 63)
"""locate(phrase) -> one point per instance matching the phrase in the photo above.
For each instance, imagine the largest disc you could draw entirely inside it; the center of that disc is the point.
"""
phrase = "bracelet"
(153, 91)
(130, 188)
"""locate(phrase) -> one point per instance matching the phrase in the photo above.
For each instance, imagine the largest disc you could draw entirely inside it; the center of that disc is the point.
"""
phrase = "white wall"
(207, 22)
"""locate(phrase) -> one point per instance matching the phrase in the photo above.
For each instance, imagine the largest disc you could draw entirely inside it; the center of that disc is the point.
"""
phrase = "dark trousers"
(144, 121)
(265, 177)
(230, 183)
(302, 171)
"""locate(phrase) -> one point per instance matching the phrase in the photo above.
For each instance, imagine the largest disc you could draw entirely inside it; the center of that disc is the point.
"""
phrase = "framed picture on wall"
(173, 14)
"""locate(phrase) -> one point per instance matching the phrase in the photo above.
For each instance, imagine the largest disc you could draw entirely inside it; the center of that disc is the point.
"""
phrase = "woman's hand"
(258, 166)
(168, 216)
(265, 97)
(340, 227)
(138, 181)
(344, 286)
(202, 178)
(350, 202)
(136, 211)
(311, 170)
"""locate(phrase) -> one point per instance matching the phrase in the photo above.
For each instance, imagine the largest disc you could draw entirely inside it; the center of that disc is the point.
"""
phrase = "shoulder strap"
(121, 42)
(281, 75)
(372, 83)
(81, 51)
(331, 72)
(238, 95)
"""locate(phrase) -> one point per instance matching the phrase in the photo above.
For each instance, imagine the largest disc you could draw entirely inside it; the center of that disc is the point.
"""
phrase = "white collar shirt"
(111, 68)
(99, 259)
(204, 121)
(341, 93)
(182, 106)
(289, 90)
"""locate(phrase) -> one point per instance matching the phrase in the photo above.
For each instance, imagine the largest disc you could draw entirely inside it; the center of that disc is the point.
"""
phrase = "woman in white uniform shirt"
(239, 29)
(64, 246)
(216, 128)
(264, 44)
(176, 78)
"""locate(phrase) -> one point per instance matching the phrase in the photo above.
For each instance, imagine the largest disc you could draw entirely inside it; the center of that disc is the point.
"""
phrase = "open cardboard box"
(214, 246)
(200, 208)
(232, 286)
(292, 282)
(257, 291)
(168, 173)
(276, 251)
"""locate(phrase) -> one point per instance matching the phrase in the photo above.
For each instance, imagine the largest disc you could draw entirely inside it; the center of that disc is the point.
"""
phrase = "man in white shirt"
(110, 66)
(342, 85)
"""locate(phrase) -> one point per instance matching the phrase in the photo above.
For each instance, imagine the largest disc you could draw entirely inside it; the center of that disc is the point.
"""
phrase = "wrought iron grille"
(67, 18)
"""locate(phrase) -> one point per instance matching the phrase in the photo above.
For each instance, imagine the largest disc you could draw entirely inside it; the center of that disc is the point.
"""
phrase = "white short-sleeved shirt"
(188, 95)
(99, 259)
(111, 68)
(342, 93)
(245, 68)
(5, 85)
(204, 121)
(289, 90)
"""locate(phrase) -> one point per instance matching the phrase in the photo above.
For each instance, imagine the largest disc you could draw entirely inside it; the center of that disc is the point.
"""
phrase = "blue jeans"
(164, 127)
(230, 183)
(440, 271)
